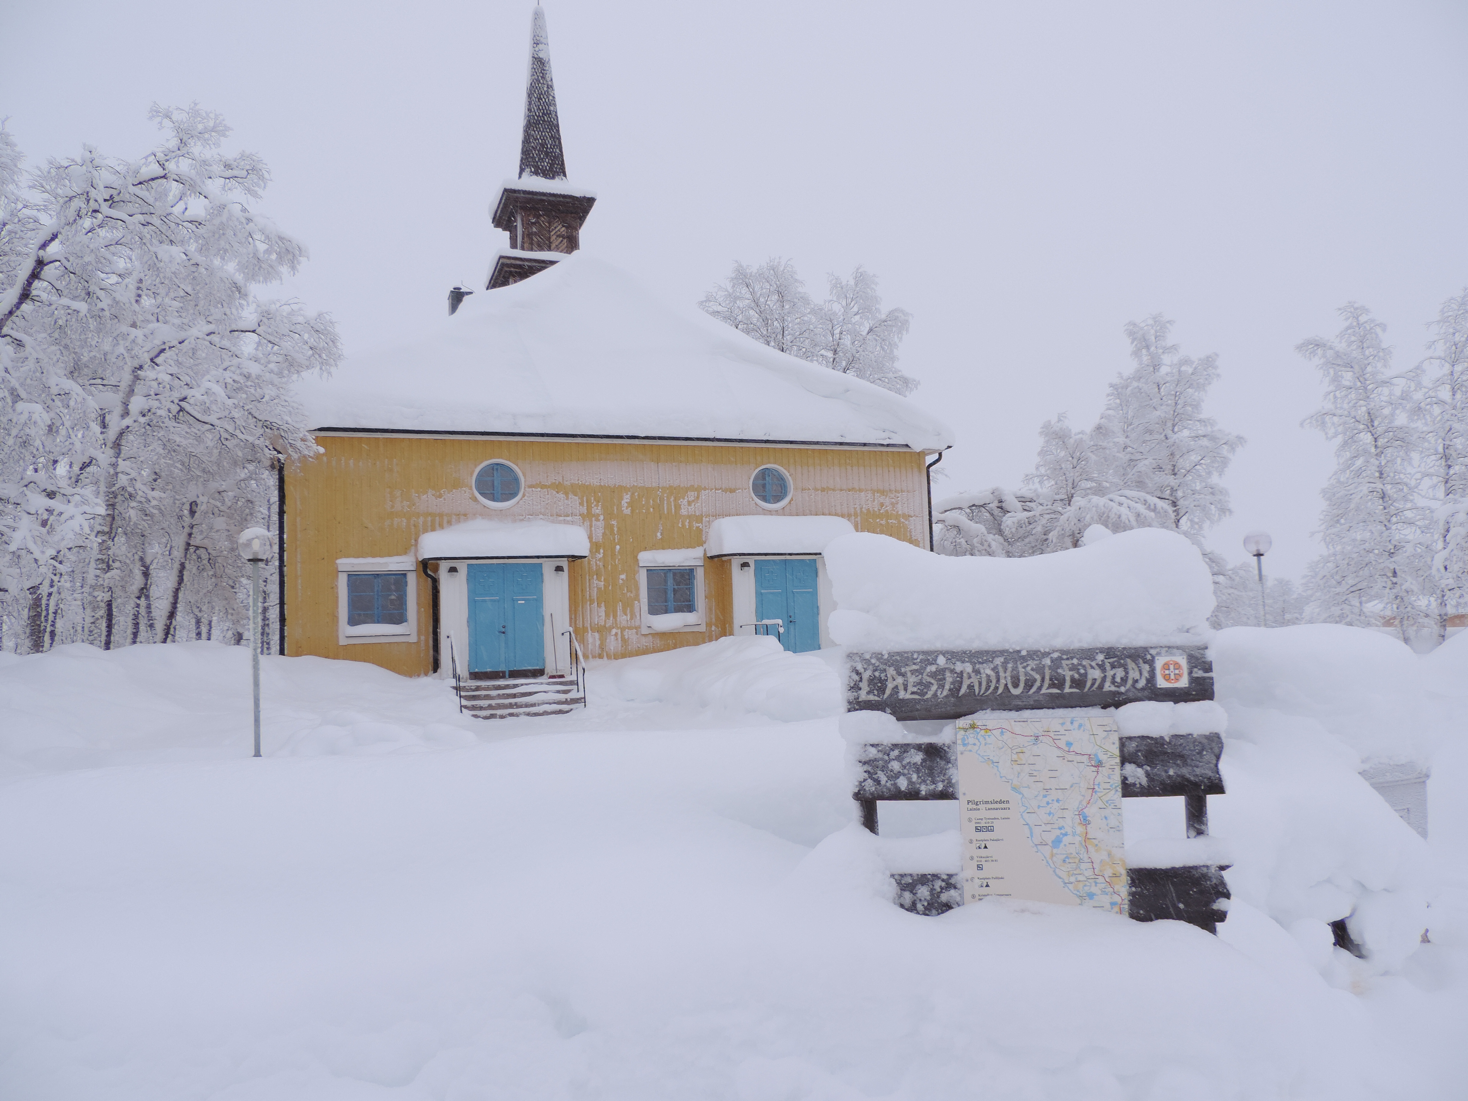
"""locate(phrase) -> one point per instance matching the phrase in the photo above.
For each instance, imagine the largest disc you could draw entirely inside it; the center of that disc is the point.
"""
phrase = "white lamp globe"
(255, 545)
(1257, 543)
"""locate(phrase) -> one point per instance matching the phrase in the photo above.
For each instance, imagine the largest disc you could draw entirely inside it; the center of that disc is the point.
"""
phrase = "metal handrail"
(778, 624)
(454, 665)
(578, 664)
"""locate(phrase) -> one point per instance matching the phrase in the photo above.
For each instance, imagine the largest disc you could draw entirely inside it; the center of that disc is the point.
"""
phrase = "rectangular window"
(377, 598)
(670, 592)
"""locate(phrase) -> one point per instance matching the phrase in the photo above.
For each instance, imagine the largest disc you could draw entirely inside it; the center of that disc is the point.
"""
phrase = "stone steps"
(507, 699)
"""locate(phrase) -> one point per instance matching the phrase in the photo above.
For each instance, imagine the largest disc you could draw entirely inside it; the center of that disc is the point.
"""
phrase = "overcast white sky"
(1025, 178)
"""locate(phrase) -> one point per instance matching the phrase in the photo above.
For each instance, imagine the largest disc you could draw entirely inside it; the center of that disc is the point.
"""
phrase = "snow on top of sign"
(1144, 587)
(583, 348)
(774, 534)
(505, 539)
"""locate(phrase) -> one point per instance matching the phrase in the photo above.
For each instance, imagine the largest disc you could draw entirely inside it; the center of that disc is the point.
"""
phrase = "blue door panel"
(506, 617)
(805, 617)
(785, 589)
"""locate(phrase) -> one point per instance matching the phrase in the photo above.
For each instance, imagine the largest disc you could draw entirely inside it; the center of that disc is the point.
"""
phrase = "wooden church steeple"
(540, 210)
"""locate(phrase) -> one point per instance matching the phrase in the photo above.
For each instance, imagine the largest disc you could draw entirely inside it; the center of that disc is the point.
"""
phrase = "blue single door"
(785, 589)
(506, 619)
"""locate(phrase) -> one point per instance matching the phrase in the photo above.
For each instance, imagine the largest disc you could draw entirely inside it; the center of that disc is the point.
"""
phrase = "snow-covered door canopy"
(504, 539)
(733, 536)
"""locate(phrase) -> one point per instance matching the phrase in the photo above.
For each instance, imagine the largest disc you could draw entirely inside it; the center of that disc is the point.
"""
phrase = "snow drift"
(662, 897)
(1144, 587)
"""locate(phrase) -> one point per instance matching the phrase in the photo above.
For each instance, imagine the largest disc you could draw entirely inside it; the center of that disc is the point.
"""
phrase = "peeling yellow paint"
(371, 496)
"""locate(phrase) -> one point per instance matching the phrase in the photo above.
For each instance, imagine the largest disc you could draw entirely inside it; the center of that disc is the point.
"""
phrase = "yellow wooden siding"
(372, 496)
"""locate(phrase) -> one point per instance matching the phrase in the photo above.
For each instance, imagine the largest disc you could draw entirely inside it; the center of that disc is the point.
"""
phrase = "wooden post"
(1197, 812)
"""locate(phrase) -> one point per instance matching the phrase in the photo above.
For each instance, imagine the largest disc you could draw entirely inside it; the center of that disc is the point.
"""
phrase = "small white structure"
(1404, 787)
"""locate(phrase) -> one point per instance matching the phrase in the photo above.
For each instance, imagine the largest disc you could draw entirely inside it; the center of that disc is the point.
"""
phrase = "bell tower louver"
(540, 210)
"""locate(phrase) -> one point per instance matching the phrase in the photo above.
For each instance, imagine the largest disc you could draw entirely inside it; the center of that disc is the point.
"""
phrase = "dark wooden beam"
(907, 770)
(1176, 764)
(1188, 894)
(951, 684)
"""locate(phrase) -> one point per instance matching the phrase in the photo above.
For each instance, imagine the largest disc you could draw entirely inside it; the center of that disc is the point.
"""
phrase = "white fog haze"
(1023, 179)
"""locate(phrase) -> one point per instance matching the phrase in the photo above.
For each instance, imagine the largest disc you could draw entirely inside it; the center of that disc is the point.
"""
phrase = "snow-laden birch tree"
(849, 332)
(1444, 416)
(1154, 459)
(1160, 441)
(146, 386)
(769, 303)
(855, 336)
(1374, 523)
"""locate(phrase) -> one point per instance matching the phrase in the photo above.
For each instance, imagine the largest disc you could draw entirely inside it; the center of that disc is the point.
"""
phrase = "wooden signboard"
(1039, 796)
(951, 684)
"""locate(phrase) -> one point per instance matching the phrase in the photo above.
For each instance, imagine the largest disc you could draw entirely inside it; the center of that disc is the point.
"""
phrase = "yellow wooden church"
(566, 466)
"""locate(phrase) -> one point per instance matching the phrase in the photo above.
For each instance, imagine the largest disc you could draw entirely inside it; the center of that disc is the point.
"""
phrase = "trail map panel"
(1040, 799)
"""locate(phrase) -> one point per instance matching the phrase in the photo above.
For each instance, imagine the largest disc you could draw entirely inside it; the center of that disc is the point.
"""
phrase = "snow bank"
(1144, 587)
(733, 535)
(1366, 688)
(505, 539)
(583, 348)
(1313, 842)
(734, 676)
(402, 901)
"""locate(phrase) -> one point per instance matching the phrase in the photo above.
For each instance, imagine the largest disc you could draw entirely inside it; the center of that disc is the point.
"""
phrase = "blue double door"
(785, 589)
(506, 619)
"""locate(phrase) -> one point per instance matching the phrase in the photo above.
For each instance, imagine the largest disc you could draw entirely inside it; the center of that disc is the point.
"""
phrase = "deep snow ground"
(659, 897)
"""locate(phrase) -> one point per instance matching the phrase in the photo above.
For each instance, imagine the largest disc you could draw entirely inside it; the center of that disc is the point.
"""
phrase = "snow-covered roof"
(733, 535)
(584, 349)
(504, 539)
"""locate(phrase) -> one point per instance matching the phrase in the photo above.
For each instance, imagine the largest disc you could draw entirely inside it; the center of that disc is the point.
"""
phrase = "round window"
(770, 486)
(498, 484)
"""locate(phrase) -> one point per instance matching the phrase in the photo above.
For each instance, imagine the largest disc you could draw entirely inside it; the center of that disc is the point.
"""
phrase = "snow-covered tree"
(855, 336)
(1444, 415)
(972, 525)
(849, 332)
(1159, 440)
(146, 386)
(1374, 525)
(769, 303)
(1236, 591)
(1153, 460)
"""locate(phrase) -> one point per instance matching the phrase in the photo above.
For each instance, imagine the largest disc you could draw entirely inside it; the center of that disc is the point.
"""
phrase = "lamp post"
(1258, 543)
(255, 545)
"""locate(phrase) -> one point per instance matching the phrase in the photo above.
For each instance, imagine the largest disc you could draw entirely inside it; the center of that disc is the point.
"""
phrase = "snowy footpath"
(664, 896)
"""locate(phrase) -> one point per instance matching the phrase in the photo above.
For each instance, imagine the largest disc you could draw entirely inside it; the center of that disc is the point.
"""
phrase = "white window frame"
(485, 501)
(377, 632)
(789, 482)
(691, 559)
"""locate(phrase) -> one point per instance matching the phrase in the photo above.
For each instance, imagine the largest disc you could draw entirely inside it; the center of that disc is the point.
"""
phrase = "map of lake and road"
(1040, 801)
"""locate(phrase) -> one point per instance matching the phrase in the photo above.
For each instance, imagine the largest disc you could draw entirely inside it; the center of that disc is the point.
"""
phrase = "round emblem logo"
(1171, 672)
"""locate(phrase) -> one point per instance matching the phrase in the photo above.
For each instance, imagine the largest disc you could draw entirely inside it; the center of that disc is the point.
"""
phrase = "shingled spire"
(541, 154)
(540, 210)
